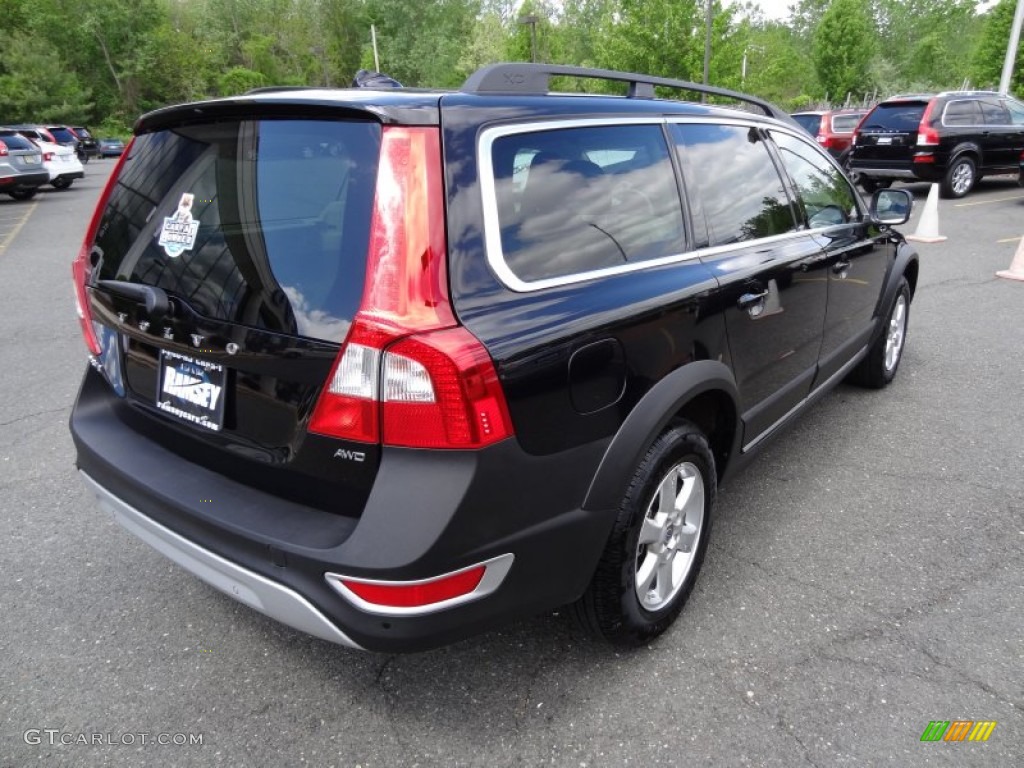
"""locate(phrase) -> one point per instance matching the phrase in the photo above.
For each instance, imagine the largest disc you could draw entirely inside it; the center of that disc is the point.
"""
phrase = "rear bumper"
(430, 513)
(256, 591)
(24, 181)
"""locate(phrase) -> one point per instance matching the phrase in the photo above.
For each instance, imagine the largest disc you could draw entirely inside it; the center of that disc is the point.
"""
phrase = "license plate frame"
(191, 390)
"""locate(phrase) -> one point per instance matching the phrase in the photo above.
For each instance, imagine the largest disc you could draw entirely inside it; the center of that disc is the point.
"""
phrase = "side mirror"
(891, 206)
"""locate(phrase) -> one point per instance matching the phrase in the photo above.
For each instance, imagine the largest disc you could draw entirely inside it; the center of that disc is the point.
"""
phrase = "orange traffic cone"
(928, 225)
(1016, 270)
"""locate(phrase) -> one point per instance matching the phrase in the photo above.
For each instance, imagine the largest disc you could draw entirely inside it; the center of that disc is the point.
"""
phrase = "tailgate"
(255, 231)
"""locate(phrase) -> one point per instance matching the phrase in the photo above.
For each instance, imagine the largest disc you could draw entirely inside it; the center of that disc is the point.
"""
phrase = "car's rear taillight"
(407, 373)
(47, 157)
(81, 267)
(3, 150)
(926, 135)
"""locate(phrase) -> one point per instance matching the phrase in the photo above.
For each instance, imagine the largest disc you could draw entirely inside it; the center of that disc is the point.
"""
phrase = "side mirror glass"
(891, 206)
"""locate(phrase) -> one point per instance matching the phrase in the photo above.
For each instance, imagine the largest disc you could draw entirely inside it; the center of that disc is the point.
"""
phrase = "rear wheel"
(23, 194)
(869, 185)
(657, 545)
(61, 183)
(960, 177)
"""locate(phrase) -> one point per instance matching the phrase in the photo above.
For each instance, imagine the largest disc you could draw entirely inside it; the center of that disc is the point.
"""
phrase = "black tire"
(960, 178)
(844, 163)
(879, 367)
(869, 185)
(611, 607)
(60, 183)
(23, 194)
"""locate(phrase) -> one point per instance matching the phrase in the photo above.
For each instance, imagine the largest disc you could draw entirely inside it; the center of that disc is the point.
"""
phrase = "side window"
(731, 175)
(575, 200)
(994, 114)
(826, 196)
(962, 112)
(1016, 110)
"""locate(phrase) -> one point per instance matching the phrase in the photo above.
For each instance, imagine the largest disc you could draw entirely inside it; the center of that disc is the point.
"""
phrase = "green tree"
(36, 86)
(843, 48)
(990, 53)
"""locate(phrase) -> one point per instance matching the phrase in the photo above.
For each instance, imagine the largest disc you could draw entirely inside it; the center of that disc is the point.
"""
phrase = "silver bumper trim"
(266, 596)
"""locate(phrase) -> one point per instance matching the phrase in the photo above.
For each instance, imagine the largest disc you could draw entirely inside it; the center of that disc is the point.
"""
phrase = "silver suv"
(21, 166)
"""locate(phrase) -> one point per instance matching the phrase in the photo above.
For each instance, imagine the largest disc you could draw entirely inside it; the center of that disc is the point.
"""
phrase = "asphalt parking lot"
(865, 578)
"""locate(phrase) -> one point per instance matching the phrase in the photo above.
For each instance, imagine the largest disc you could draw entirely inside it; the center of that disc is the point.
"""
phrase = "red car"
(833, 129)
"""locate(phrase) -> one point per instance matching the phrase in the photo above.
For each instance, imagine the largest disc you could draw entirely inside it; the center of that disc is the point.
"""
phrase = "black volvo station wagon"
(394, 367)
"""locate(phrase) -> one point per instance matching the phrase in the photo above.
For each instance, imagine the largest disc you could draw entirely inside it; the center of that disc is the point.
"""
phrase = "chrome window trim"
(492, 230)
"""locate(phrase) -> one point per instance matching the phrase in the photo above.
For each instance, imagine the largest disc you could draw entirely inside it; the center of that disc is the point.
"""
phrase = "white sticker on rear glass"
(178, 234)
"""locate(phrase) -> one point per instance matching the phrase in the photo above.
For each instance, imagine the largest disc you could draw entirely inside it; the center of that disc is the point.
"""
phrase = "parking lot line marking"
(986, 202)
(1009, 239)
(17, 228)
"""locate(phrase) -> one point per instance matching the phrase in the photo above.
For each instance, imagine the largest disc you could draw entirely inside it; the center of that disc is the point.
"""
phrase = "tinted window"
(63, 135)
(582, 199)
(826, 196)
(14, 141)
(809, 123)
(283, 211)
(83, 133)
(994, 114)
(1016, 110)
(962, 112)
(902, 116)
(729, 171)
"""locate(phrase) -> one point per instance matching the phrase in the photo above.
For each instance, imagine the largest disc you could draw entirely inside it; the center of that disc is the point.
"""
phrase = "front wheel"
(657, 545)
(879, 367)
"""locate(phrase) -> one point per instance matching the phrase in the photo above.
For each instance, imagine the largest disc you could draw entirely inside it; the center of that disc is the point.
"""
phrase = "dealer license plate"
(191, 390)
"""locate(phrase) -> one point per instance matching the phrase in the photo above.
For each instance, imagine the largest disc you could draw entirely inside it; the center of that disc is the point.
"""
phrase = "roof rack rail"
(534, 79)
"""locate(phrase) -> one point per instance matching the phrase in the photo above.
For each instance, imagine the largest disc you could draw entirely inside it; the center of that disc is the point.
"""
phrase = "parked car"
(21, 166)
(88, 146)
(528, 336)
(831, 128)
(953, 138)
(110, 147)
(60, 161)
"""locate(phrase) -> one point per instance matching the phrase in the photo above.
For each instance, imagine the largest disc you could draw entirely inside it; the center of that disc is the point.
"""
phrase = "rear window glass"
(83, 133)
(901, 116)
(583, 199)
(735, 181)
(63, 135)
(810, 123)
(845, 123)
(14, 141)
(282, 211)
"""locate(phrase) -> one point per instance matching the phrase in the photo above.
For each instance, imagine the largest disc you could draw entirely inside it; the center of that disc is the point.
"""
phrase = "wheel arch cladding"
(704, 393)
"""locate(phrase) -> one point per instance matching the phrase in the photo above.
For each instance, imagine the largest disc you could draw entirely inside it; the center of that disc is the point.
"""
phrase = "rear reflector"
(398, 598)
(418, 595)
